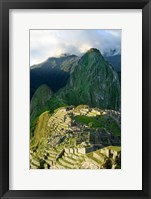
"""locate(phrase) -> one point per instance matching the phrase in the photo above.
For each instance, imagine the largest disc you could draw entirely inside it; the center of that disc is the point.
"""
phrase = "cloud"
(48, 43)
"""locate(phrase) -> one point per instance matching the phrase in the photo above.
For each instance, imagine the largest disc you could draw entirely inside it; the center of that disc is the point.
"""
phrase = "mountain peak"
(93, 82)
(91, 57)
(64, 55)
(93, 50)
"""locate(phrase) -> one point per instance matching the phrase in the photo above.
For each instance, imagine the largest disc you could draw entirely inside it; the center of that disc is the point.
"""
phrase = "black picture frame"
(5, 5)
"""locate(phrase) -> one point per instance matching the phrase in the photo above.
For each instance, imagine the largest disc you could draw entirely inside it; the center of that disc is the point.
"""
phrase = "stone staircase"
(34, 161)
(59, 158)
(69, 161)
(47, 157)
(52, 154)
(60, 121)
(97, 159)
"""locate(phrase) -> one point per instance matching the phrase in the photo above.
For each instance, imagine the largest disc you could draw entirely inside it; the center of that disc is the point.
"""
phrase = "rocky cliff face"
(93, 82)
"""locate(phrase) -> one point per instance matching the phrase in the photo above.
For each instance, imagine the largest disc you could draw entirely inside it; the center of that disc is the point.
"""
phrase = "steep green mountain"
(93, 82)
(54, 72)
(39, 103)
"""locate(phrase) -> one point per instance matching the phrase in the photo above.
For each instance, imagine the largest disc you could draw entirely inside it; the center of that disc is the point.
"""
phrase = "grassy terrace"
(100, 122)
(115, 148)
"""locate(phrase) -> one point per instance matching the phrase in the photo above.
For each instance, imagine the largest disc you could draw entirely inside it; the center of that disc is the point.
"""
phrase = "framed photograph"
(75, 99)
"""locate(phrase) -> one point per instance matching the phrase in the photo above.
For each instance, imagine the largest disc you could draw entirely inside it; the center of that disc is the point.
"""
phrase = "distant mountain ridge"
(54, 72)
(115, 61)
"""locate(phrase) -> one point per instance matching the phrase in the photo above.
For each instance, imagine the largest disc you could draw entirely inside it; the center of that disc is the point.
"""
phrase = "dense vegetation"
(75, 108)
(100, 122)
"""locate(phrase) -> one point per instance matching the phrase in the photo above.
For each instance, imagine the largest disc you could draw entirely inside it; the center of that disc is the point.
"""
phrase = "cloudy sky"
(48, 43)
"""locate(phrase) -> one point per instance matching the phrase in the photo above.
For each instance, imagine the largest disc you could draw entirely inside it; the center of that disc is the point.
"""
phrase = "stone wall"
(79, 150)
